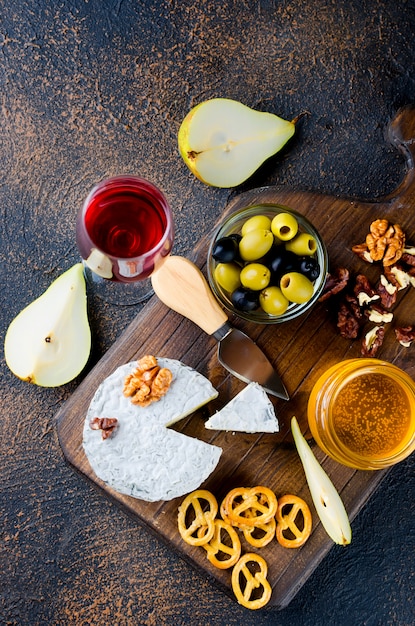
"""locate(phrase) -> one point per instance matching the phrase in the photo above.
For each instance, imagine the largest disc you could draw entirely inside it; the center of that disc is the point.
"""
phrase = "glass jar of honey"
(361, 412)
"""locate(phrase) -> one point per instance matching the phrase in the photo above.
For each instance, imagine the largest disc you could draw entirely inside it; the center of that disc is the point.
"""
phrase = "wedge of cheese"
(251, 411)
(143, 458)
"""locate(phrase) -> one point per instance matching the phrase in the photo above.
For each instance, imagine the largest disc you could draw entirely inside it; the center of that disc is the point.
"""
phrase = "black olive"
(310, 267)
(280, 262)
(226, 250)
(244, 299)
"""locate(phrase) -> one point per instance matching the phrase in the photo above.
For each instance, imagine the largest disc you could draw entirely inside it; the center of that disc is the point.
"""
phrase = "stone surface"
(91, 89)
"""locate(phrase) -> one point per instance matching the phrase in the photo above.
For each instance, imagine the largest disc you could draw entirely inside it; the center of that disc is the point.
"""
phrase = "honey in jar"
(361, 412)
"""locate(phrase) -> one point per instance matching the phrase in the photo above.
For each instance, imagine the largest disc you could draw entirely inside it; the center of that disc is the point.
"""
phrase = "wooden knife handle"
(180, 284)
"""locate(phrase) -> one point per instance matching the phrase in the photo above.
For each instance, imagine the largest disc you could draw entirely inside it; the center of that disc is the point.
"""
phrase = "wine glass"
(124, 232)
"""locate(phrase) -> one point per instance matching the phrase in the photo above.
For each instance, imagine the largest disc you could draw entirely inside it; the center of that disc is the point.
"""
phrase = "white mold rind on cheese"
(251, 411)
(143, 458)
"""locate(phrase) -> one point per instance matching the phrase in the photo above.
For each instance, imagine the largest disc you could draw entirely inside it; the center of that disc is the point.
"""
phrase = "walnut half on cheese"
(251, 411)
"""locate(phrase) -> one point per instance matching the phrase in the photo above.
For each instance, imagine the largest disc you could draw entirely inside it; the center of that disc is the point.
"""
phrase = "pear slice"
(329, 505)
(48, 343)
(223, 142)
(99, 263)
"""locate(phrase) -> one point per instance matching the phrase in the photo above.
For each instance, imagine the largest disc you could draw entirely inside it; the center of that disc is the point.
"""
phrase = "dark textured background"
(90, 89)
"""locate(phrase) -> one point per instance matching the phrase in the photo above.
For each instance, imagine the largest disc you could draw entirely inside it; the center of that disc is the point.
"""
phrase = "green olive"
(227, 275)
(302, 244)
(273, 301)
(256, 222)
(255, 244)
(255, 276)
(284, 226)
(296, 287)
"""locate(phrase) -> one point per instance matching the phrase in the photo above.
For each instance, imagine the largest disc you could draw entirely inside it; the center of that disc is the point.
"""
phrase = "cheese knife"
(181, 286)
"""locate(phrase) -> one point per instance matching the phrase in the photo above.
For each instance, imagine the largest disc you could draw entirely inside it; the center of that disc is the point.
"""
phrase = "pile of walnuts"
(361, 301)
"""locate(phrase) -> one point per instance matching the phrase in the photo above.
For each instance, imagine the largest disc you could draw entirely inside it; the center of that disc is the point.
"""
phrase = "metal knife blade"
(180, 284)
(244, 359)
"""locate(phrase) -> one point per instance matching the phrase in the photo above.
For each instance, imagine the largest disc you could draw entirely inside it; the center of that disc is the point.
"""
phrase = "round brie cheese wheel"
(143, 458)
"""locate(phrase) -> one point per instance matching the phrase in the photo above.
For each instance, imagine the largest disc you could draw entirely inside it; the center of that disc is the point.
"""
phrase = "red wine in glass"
(124, 232)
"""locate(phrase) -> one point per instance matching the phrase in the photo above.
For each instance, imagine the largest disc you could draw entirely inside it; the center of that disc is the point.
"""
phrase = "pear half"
(223, 142)
(48, 343)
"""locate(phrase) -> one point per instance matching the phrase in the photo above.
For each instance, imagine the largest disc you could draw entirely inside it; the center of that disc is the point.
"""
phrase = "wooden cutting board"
(300, 350)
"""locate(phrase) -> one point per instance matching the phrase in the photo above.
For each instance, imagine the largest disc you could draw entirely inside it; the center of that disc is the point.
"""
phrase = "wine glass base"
(119, 294)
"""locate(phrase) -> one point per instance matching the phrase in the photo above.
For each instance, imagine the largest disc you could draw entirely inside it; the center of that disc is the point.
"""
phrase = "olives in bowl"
(267, 263)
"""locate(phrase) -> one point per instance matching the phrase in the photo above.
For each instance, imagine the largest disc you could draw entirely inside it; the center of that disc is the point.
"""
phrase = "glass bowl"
(232, 225)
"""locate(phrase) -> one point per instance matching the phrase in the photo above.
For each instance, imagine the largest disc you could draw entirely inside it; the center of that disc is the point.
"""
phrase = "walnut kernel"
(106, 424)
(405, 335)
(372, 341)
(148, 382)
(385, 242)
